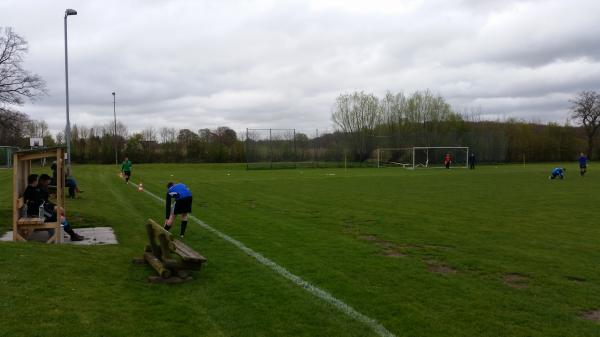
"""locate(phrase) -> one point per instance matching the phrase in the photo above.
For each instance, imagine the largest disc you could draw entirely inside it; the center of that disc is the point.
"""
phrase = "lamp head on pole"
(113, 93)
(70, 11)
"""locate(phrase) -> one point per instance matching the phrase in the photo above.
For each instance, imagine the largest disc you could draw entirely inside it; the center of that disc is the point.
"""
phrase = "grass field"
(499, 251)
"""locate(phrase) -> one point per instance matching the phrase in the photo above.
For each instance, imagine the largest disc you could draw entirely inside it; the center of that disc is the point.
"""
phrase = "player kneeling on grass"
(558, 172)
(183, 205)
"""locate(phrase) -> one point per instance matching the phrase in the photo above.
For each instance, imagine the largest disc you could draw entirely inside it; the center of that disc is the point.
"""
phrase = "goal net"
(395, 157)
(425, 156)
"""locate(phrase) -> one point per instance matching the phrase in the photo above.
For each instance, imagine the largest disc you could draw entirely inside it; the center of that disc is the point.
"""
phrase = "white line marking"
(316, 291)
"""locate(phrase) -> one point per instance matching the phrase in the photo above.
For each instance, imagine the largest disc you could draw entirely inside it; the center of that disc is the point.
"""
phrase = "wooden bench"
(24, 226)
(171, 258)
(27, 225)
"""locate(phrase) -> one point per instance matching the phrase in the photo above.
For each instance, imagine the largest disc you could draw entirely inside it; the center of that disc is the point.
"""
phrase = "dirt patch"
(393, 253)
(576, 279)
(369, 237)
(440, 268)
(386, 245)
(388, 248)
(592, 315)
(515, 280)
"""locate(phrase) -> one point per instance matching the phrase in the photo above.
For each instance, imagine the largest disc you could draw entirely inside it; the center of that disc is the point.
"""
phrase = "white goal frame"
(414, 149)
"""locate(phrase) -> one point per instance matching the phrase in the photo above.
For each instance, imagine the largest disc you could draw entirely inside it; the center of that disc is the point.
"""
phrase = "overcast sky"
(198, 64)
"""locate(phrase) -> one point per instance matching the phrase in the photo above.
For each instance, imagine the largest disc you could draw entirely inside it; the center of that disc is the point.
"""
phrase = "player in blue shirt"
(183, 205)
(582, 164)
(558, 172)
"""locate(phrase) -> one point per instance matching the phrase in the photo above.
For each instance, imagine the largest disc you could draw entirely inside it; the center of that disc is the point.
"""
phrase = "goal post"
(423, 156)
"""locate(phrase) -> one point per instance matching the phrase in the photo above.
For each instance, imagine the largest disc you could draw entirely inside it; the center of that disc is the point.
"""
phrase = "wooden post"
(153, 246)
(16, 168)
(157, 265)
(164, 247)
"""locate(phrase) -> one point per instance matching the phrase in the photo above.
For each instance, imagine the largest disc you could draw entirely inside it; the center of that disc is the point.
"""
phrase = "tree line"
(97, 145)
(426, 119)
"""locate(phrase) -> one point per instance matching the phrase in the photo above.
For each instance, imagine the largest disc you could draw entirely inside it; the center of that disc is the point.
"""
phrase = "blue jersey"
(583, 161)
(557, 171)
(179, 191)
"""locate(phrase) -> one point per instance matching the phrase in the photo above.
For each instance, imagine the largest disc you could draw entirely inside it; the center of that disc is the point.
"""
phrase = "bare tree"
(149, 134)
(13, 125)
(37, 129)
(586, 111)
(167, 135)
(357, 115)
(16, 83)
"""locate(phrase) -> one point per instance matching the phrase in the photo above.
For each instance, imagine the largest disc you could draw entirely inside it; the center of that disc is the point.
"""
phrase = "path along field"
(492, 252)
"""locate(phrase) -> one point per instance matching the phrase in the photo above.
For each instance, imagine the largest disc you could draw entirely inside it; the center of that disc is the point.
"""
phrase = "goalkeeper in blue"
(558, 172)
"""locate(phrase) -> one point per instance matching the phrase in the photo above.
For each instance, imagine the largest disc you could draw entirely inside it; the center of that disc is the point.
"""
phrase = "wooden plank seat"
(26, 225)
(170, 257)
(30, 221)
(27, 220)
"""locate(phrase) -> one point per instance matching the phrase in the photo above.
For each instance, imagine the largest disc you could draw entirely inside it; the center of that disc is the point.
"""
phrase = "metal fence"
(6, 153)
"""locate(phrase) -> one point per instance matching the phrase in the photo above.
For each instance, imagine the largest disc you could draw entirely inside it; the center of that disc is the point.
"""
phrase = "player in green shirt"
(126, 169)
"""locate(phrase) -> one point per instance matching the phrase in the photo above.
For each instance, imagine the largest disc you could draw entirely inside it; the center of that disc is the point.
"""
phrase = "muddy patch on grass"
(576, 279)
(370, 238)
(393, 253)
(440, 268)
(591, 315)
(515, 280)
(388, 249)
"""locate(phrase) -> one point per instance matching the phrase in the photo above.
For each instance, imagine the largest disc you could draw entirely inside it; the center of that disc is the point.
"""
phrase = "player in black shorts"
(126, 169)
(182, 205)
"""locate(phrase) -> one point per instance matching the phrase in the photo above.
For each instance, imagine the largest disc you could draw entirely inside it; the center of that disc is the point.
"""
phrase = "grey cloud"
(282, 63)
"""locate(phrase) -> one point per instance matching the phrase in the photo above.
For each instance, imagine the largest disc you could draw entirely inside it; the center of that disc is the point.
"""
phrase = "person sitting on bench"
(32, 201)
(31, 196)
(51, 211)
(70, 181)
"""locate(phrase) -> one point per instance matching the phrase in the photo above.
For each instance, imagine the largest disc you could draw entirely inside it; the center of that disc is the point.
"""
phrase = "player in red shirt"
(447, 160)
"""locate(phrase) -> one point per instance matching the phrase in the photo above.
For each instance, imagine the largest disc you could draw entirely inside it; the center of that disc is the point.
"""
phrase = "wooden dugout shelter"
(23, 226)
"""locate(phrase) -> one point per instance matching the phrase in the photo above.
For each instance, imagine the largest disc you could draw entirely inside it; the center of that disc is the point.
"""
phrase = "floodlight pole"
(68, 127)
(115, 114)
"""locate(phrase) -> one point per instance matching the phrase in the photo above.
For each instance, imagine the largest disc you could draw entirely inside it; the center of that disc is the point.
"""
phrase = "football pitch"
(496, 251)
